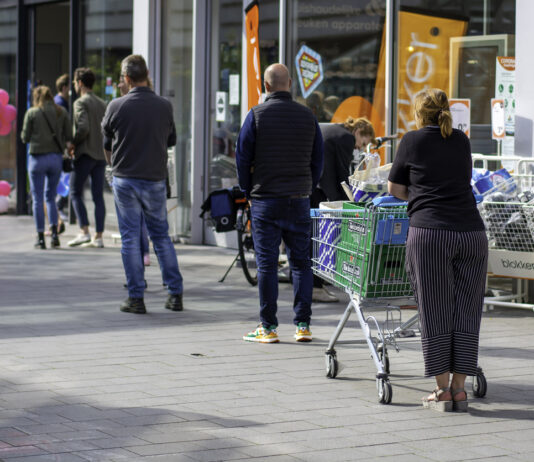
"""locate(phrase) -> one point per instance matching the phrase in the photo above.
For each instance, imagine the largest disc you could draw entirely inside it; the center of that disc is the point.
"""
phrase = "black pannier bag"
(222, 204)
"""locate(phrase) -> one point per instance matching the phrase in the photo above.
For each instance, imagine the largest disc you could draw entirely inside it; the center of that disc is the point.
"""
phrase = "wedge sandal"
(459, 405)
(434, 403)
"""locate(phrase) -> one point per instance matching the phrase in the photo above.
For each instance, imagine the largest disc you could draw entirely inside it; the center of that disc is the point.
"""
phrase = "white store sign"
(511, 264)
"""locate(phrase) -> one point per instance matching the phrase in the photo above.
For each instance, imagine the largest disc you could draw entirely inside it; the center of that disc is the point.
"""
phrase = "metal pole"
(21, 101)
(392, 8)
(485, 18)
(282, 38)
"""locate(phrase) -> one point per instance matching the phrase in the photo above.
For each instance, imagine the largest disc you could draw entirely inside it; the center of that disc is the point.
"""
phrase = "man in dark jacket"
(138, 128)
(279, 161)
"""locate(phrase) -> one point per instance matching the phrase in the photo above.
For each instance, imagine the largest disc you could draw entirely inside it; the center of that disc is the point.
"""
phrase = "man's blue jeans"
(84, 167)
(135, 198)
(287, 219)
(44, 171)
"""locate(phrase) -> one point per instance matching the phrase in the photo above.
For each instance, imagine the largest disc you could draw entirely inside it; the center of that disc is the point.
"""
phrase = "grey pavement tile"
(63, 457)
(20, 451)
(401, 458)
(106, 455)
(119, 442)
(284, 458)
(337, 455)
(163, 458)
(67, 446)
(165, 448)
(216, 455)
(175, 437)
(38, 429)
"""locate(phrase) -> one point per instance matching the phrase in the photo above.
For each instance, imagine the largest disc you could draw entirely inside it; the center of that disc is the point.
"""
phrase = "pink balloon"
(5, 128)
(10, 113)
(4, 97)
(5, 188)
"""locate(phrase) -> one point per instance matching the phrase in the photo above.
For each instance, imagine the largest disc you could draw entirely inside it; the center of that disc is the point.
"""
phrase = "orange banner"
(423, 57)
(252, 19)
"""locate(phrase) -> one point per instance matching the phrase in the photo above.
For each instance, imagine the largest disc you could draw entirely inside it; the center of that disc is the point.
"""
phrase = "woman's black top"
(437, 172)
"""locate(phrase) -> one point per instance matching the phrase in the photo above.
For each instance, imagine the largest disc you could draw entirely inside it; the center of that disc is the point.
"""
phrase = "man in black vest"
(279, 159)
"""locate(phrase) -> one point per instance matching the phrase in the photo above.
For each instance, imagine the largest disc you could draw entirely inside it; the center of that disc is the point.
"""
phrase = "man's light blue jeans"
(133, 199)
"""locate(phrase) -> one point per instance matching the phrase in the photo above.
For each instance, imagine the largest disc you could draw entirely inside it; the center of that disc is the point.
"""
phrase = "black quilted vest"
(285, 132)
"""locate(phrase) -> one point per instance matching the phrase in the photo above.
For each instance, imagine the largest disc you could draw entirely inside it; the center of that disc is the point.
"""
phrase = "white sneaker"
(320, 294)
(79, 239)
(95, 244)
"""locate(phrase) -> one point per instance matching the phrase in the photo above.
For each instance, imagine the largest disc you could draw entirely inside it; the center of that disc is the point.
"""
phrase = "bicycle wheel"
(247, 256)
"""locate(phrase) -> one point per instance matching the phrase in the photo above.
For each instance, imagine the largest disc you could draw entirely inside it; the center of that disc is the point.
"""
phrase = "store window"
(454, 46)
(105, 39)
(176, 86)
(334, 52)
(8, 54)
(226, 80)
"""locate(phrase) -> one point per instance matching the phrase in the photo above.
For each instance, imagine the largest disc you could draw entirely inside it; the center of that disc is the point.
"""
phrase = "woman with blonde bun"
(447, 248)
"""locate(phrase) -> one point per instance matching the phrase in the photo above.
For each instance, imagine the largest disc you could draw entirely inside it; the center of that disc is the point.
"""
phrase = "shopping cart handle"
(388, 201)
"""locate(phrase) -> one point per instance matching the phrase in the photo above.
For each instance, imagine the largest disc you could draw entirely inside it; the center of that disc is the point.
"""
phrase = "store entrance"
(49, 49)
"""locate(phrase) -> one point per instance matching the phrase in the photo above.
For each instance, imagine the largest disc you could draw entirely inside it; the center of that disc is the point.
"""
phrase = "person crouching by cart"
(446, 249)
(279, 160)
(341, 141)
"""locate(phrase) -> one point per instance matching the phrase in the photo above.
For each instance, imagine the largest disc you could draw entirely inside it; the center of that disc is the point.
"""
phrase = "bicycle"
(245, 244)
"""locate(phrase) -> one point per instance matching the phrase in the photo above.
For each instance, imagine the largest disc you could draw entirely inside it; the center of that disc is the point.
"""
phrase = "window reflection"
(347, 37)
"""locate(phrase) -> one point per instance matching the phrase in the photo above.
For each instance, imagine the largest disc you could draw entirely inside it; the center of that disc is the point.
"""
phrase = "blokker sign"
(511, 264)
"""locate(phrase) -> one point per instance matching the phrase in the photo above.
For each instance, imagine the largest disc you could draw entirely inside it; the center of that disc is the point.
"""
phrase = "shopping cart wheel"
(480, 386)
(383, 356)
(385, 392)
(331, 365)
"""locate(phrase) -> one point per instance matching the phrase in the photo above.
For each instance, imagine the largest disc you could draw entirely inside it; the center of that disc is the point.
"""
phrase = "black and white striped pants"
(447, 270)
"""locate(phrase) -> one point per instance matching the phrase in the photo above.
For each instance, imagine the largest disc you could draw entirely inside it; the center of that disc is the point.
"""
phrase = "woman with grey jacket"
(47, 129)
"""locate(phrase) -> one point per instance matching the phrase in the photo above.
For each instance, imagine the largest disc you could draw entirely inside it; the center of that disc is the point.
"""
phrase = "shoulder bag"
(68, 165)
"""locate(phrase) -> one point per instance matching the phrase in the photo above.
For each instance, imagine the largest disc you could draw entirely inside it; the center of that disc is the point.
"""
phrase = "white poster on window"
(505, 90)
(461, 114)
(221, 102)
(234, 90)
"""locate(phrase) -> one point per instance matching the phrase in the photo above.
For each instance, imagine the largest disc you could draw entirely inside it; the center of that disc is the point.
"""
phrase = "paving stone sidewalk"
(81, 381)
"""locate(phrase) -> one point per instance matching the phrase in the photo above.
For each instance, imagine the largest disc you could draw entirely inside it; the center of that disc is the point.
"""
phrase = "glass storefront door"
(226, 81)
(8, 56)
(176, 86)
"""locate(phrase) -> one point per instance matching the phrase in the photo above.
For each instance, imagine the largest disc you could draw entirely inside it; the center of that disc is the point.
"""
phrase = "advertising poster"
(423, 61)
(497, 119)
(461, 114)
(505, 90)
(309, 70)
(252, 20)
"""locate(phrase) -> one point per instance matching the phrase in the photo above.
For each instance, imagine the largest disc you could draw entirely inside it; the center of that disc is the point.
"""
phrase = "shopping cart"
(361, 248)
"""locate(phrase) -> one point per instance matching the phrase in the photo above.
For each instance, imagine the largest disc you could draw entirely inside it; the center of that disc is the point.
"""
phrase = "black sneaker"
(133, 305)
(174, 302)
(40, 242)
